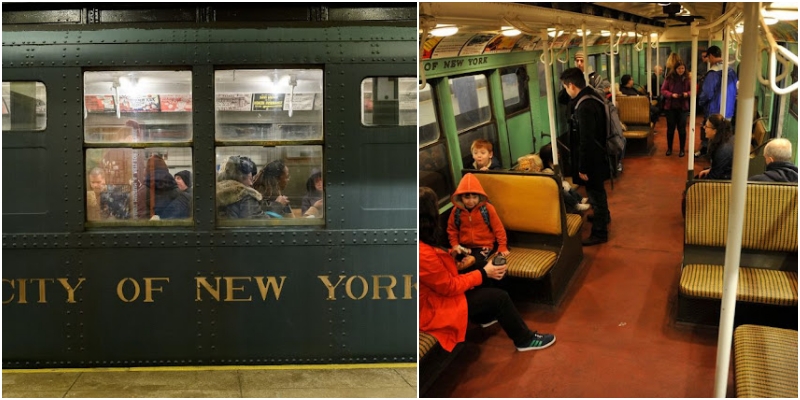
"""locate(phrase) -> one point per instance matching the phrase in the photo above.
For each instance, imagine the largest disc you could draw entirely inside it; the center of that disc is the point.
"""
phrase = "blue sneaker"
(540, 341)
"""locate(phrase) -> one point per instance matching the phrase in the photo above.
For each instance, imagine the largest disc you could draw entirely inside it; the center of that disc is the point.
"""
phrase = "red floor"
(615, 330)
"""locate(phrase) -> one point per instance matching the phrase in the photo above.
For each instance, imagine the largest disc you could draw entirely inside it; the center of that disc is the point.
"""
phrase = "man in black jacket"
(588, 130)
(778, 154)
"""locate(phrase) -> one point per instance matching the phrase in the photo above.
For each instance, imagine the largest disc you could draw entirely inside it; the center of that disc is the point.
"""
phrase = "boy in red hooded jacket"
(474, 229)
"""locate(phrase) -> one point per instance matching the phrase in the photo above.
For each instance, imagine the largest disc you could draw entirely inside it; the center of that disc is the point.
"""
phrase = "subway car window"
(470, 101)
(428, 125)
(24, 106)
(268, 104)
(434, 172)
(137, 106)
(389, 101)
(125, 184)
(515, 89)
(281, 185)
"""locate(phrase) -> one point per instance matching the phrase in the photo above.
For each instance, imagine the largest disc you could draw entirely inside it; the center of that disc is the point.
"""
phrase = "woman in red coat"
(447, 300)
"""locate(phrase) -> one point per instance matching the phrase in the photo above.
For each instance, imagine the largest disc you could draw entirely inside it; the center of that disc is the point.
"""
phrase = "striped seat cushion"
(635, 134)
(574, 222)
(770, 216)
(426, 342)
(530, 263)
(765, 361)
(756, 285)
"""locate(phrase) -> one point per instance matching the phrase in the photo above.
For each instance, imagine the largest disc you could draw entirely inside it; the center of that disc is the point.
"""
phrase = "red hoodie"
(442, 304)
(473, 231)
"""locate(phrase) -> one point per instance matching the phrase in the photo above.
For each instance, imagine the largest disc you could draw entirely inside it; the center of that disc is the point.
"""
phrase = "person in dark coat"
(676, 90)
(184, 181)
(590, 161)
(778, 154)
(236, 197)
(160, 196)
(312, 204)
(720, 148)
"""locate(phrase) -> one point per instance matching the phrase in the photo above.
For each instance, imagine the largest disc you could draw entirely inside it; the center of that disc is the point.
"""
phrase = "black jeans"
(597, 195)
(676, 118)
(487, 304)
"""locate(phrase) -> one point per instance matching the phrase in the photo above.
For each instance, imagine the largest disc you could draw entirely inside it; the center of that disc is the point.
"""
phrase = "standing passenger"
(676, 90)
(710, 97)
(588, 126)
(447, 299)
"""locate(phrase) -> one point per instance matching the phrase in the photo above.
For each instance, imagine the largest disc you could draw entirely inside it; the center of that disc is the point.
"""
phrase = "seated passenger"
(270, 183)
(184, 181)
(159, 197)
(97, 184)
(626, 86)
(447, 299)
(778, 155)
(574, 203)
(474, 229)
(236, 197)
(312, 205)
(482, 156)
(720, 148)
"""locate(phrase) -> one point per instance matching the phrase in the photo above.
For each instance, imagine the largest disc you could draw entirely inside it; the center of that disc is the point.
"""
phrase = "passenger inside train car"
(159, 197)
(720, 148)
(271, 182)
(184, 181)
(449, 300)
(236, 197)
(313, 204)
(482, 155)
(778, 156)
(653, 291)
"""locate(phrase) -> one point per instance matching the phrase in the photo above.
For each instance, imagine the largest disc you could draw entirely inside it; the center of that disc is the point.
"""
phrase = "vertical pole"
(612, 74)
(723, 107)
(738, 197)
(649, 64)
(551, 108)
(585, 54)
(693, 99)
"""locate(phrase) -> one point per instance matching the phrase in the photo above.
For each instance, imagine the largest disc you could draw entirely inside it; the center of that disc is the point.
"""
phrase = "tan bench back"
(634, 110)
(770, 216)
(525, 202)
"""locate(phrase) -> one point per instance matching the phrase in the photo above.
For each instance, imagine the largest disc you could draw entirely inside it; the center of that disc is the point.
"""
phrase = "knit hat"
(579, 55)
(186, 176)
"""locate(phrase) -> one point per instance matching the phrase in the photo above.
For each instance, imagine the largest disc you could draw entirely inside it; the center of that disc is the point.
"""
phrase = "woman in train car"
(676, 90)
(312, 204)
(271, 182)
(447, 299)
(236, 197)
(720, 148)
(159, 197)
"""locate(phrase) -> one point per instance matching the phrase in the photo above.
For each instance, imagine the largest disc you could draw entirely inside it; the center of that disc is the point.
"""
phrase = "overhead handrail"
(640, 43)
(564, 47)
(774, 49)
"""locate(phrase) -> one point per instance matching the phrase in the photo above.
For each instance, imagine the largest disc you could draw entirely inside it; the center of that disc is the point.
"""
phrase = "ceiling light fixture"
(510, 31)
(444, 30)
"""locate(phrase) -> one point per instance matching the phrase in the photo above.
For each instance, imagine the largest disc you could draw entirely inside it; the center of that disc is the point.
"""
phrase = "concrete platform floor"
(387, 380)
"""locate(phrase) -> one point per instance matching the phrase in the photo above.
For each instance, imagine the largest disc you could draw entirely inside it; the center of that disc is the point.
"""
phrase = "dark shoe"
(593, 240)
(540, 341)
(681, 154)
(669, 153)
(701, 153)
